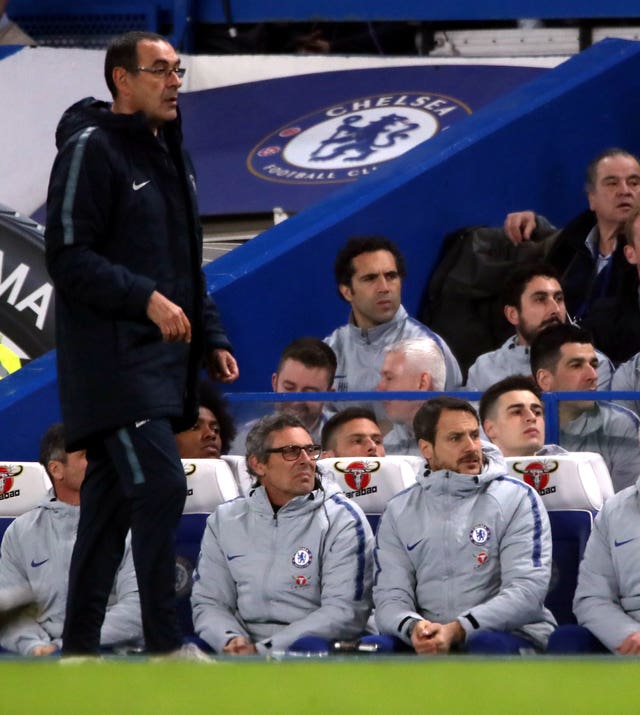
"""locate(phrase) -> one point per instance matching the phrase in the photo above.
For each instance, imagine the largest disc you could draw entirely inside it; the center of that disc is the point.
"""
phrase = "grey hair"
(52, 447)
(258, 441)
(423, 354)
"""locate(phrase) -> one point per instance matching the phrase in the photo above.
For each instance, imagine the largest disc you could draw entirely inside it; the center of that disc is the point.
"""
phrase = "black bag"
(462, 301)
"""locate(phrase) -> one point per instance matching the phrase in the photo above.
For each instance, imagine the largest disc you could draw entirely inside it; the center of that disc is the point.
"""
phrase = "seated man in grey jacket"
(369, 271)
(288, 567)
(606, 602)
(563, 359)
(533, 300)
(36, 553)
(463, 558)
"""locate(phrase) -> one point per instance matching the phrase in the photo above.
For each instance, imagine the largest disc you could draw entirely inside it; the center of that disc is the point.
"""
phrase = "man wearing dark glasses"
(289, 567)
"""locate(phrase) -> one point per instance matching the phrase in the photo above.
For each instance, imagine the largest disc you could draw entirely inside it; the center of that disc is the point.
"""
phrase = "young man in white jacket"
(463, 558)
(291, 561)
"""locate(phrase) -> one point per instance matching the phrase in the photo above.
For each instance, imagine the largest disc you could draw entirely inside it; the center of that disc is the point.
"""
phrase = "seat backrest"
(564, 481)
(238, 465)
(602, 474)
(210, 482)
(23, 485)
(570, 530)
(369, 481)
(418, 464)
(4, 525)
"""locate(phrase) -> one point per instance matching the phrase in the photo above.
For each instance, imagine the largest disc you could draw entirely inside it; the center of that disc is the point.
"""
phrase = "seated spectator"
(512, 416)
(291, 561)
(588, 253)
(533, 299)
(463, 558)
(369, 271)
(306, 365)
(212, 434)
(352, 432)
(614, 321)
(36, 552)
(606, 599)
(563, 359)
(413, 365)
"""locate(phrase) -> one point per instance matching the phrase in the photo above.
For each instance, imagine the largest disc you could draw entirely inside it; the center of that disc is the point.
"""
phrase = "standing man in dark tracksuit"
(134, 326)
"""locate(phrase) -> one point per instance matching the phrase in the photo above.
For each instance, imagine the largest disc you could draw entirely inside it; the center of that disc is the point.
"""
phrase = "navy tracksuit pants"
(134, 480)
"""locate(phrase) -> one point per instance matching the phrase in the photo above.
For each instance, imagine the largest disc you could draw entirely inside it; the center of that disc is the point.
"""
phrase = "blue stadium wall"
(527, 150)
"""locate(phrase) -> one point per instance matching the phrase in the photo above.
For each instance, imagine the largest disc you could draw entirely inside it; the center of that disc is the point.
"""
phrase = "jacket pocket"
(138, 343)
(630, 603)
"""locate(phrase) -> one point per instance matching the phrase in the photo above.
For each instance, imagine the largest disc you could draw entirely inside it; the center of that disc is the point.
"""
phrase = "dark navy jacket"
(122, 221)
(581, 283)
(615, 321)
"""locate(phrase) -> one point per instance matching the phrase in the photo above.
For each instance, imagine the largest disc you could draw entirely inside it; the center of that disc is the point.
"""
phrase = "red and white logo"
(357, 475)
(301, 580)
(482, 557)
(536, 474)
(7, 474)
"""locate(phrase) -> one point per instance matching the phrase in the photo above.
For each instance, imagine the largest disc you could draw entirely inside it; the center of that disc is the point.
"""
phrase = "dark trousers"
(571, 639)
(134, 480)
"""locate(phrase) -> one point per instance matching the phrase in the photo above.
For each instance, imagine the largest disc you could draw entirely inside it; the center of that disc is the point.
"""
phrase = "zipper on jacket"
(446, 530)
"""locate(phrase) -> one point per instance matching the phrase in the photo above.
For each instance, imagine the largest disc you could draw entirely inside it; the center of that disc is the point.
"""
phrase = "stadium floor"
(331, 686)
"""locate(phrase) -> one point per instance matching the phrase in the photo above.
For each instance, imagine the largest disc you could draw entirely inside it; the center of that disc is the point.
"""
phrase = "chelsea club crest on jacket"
(476, 549)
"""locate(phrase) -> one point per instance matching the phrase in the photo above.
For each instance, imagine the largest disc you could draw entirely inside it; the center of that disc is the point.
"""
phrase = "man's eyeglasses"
(291, 452)
(165, 72)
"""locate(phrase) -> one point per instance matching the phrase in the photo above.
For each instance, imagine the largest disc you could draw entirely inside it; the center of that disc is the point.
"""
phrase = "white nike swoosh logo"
(137, 187)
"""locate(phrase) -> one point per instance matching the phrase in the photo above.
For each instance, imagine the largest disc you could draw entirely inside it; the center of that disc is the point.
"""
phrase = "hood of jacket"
(324, 490)
(446, 480)
(377, 332)
(60, 509)
(91, 112)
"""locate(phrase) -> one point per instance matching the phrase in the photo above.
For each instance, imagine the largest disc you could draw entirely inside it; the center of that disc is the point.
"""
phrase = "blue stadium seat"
(188, 538)
(210, 482)
(570, 530)
(4, 525)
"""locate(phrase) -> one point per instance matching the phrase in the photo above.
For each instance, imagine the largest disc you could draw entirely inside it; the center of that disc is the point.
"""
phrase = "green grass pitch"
(401, 686)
